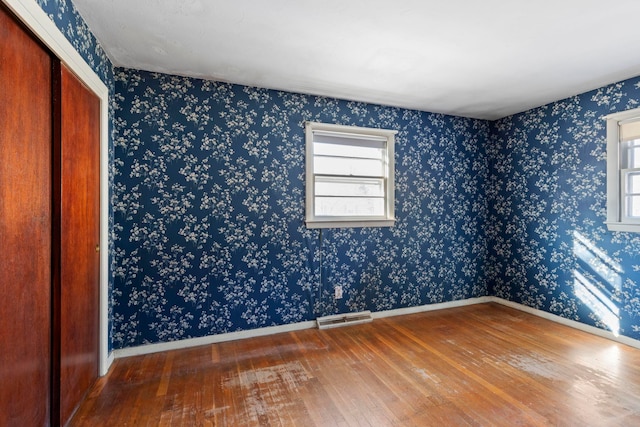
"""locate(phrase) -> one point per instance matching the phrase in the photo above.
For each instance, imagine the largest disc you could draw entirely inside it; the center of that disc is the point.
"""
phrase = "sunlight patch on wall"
(596, 294)
(597, 260)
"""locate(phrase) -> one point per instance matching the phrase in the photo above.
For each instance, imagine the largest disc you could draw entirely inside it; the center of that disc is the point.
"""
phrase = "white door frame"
(32, 15)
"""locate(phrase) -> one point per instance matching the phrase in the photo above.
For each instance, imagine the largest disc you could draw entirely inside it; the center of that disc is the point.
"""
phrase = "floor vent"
(337, 320)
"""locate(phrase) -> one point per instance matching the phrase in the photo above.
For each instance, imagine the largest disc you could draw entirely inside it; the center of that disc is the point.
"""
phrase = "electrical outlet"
(337, 292)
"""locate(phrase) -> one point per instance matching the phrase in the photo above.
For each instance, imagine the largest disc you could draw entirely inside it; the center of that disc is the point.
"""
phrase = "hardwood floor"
(479, 365)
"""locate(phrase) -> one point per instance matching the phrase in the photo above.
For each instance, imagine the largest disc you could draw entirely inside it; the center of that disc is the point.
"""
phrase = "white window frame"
(388, 137)
(617, 173)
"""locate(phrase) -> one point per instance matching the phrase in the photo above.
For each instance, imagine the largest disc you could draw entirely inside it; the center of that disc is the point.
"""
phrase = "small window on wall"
(349, 176)
(623, 171)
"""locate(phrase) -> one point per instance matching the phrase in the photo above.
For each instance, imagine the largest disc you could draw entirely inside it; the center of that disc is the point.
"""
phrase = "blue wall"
(65, 16)
(209, 209)
(549, 246)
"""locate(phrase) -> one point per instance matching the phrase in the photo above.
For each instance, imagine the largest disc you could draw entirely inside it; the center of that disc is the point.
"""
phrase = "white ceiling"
(484, 59)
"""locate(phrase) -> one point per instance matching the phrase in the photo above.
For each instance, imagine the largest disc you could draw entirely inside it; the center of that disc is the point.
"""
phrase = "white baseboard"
(567, 322)
(212, 339)
(271, 330)
(429, 307)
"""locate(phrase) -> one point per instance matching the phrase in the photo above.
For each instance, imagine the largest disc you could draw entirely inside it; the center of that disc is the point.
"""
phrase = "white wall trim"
(429, 307)
(30, 13)
(271, 330)
(567, 322)
(212, 339)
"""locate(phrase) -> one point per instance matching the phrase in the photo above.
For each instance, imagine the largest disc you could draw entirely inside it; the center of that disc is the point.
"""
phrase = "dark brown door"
(25, 227)
(80, 235)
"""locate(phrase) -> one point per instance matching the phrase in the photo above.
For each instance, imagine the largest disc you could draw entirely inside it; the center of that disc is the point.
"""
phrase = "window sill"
(351, 224)
(623, 226)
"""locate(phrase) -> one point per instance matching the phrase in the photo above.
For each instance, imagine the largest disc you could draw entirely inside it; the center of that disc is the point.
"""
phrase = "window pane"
(341, 166)
(349, 206)
(633, 206)
(341, 150)
(633, 183)
(328, 186)
(634, 158)
(630, 154)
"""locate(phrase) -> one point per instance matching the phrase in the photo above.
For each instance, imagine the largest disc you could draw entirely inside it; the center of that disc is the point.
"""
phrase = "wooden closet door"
(80, 236)
(25, 227)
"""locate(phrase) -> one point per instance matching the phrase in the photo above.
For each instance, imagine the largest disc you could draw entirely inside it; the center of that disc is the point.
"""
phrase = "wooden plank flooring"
(478, 366)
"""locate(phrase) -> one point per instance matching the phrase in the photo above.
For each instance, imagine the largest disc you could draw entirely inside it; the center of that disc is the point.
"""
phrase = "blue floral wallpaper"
(64, 14)
(549, 246)
(209, 209)
(207, 189)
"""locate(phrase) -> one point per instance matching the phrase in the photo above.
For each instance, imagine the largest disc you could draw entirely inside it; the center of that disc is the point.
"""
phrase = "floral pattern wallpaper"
(549, 246)
(64, 14)
(207, 189)
(209, 211)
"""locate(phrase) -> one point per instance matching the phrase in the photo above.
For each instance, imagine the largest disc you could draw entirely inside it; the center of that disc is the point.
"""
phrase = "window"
(623, 171)
(349, 176)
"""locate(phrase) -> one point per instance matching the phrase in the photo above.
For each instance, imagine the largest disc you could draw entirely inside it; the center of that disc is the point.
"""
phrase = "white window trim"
(616, 219)
(313, 221)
